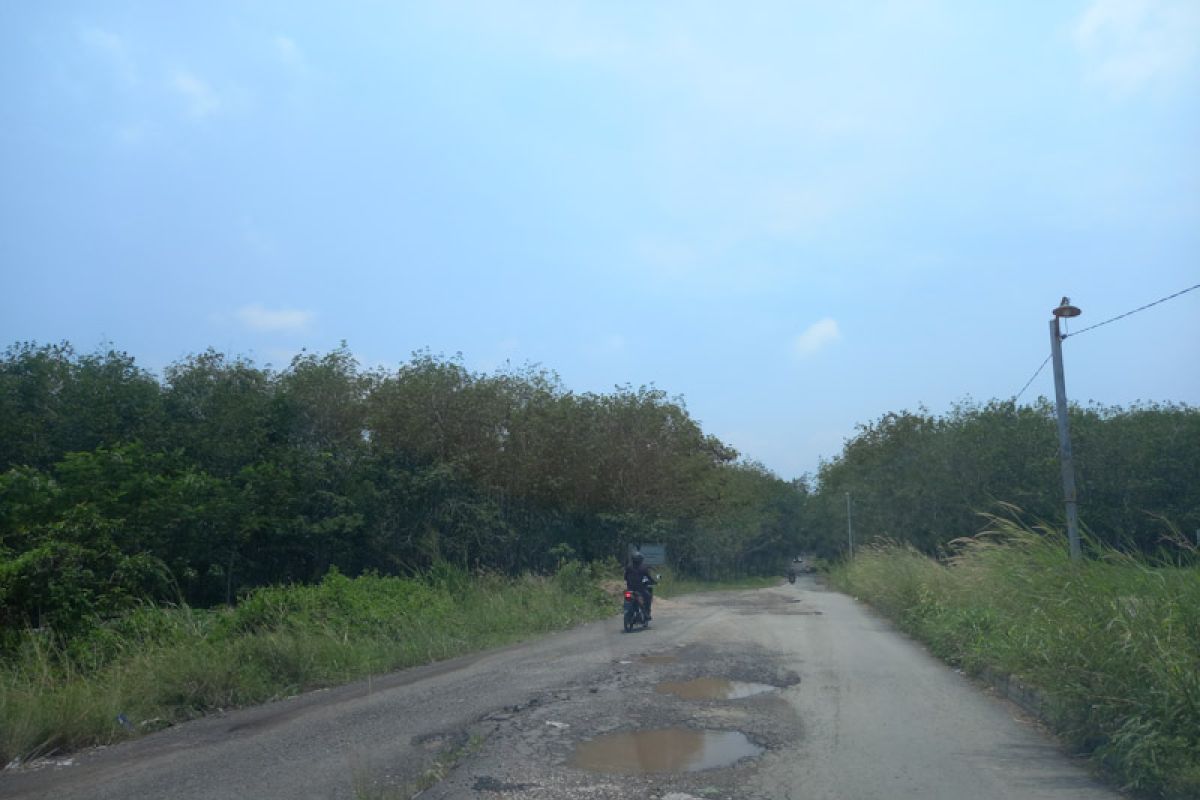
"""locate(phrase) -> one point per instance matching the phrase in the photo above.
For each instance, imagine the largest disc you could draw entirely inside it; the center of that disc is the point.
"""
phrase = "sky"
(798, 216)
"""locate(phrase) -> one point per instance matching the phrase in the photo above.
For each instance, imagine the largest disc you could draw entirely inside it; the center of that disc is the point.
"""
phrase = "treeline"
(117, 486)
(923, 479)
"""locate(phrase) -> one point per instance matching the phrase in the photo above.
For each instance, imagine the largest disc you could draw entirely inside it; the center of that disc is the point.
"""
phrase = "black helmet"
(637, 558)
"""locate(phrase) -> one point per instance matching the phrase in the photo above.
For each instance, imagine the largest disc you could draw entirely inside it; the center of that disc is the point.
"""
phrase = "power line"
(1017, 396)
(1038, 371)
(1127, 313)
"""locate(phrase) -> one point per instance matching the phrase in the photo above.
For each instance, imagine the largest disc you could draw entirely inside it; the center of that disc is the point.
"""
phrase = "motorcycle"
(635, 607)
(796, 565)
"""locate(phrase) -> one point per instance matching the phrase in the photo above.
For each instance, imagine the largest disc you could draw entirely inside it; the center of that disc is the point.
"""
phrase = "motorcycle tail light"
(629, 595)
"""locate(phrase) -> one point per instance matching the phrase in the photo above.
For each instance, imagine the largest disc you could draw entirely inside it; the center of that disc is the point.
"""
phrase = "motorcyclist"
(639, 579)
(794, 568)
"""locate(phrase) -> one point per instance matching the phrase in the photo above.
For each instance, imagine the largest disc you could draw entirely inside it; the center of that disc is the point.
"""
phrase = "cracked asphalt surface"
(859, 712)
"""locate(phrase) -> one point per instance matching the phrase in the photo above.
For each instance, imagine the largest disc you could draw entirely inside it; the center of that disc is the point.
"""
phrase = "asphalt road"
(847, 708)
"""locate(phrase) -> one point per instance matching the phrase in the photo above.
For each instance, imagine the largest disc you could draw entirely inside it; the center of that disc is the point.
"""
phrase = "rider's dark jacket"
(633, 577)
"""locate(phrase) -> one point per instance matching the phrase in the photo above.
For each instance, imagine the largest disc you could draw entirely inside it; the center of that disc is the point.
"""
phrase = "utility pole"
(1065, 309)
(849, 525)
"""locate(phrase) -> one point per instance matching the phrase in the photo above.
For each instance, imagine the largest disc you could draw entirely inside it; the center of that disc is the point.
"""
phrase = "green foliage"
(922, 479)
(376, 498)
(116, 489)
(53, 401)
(160, 664)
(1113, 642)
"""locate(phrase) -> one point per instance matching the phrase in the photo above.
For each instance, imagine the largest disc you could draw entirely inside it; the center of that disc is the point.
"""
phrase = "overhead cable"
(1038, 371)
(1134, 311)
(1017, 396)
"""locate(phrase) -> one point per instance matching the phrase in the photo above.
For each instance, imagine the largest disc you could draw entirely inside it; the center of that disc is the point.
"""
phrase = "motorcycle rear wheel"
(628, 621)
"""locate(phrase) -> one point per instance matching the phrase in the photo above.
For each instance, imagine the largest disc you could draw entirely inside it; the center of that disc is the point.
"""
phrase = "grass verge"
(1112, 643)
(157, 666)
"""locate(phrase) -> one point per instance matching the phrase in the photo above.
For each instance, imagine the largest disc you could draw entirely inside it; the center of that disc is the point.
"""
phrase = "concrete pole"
(1064, 440)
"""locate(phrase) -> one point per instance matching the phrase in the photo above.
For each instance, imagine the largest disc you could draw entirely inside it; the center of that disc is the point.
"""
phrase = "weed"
(160, 664)
(173, 663)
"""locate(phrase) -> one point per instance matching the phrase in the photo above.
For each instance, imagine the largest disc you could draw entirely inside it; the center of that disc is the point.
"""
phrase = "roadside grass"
(157, 666)
(1112, 643)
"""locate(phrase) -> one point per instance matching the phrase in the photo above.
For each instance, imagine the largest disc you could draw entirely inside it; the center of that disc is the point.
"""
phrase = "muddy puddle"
(666, 750)
(713, 689)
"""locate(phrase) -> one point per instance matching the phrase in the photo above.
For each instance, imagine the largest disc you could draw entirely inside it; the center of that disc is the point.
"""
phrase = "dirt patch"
(658, 659)
(749, 604)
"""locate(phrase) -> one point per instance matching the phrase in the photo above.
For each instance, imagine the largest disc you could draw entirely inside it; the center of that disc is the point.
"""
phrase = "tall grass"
(1112, 643)
(156, 665)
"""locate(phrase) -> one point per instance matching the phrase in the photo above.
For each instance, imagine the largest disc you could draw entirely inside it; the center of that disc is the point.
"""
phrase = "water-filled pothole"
(713, 689)
(665, 750)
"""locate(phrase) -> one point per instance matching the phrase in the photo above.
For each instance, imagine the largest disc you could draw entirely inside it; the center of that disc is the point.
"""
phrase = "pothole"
(713, 689)
(659, 659)
(664, 750)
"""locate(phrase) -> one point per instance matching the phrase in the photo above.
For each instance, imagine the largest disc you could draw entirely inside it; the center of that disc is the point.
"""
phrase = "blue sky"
(799, 216)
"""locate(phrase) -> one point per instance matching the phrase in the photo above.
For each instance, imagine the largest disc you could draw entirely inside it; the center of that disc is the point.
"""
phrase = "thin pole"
(849, 525)
(1064, 440)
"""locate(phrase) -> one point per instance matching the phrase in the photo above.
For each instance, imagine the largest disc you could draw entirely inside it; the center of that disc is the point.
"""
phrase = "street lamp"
(1064, 311)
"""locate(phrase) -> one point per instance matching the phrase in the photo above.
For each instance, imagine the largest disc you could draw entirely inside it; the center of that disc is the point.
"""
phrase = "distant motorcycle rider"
(639, 579)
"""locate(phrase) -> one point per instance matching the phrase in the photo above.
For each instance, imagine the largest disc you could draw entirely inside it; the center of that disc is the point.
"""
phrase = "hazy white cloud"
(288, 52)
(259, 318)
(200, 98)
(113, 49)
(1131, 43)
(816, 337)
(723, 83)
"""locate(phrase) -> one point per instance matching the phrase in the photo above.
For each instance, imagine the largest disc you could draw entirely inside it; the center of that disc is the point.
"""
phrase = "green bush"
(156, 665)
